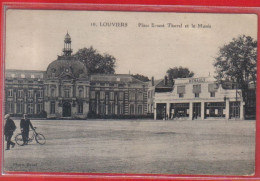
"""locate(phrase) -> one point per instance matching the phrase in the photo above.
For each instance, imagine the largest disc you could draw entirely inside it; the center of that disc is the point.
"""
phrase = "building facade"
(67, 90)
(198, 98)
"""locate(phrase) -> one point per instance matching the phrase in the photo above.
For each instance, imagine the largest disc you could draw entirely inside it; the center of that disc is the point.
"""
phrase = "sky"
(34, 38)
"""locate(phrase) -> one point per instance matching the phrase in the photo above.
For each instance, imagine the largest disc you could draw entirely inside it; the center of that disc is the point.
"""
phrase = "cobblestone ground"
(217, 147)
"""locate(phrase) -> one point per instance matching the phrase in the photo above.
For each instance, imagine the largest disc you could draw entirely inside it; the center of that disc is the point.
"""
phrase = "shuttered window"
(197, 89)
(181, 89)
(213, 87)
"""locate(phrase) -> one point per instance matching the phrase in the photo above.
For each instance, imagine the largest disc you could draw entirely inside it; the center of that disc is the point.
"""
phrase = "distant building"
(66, 90)
(198, 98)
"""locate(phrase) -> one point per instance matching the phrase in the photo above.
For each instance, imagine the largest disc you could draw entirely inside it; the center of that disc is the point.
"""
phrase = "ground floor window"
(132, 109)
(10, 107)
(19, 107)
(120, 108)
(39, 107)
(102, 108)
(140, 109)
(215, 109)
(30, 108)
(52, 111)
(80, 108)
(180, 110)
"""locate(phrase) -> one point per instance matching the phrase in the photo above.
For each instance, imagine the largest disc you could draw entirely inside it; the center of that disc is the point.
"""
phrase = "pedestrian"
(25, 125)
(8, 131)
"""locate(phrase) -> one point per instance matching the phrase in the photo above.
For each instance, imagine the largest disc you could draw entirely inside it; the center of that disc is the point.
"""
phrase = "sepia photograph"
(129, 92)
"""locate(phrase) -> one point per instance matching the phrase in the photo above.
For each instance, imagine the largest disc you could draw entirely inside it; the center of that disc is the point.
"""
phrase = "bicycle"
(40, 139)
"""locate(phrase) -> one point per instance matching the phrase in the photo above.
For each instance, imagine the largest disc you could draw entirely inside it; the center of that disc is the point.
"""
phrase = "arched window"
(52, 92)
(80, 93)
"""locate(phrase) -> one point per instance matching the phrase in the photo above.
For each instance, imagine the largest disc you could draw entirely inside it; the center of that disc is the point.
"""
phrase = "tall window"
(52, 92)
(40, 93)
(140, 109)
(121, 108)
(10, 107)
(87, 92)
(10, 92)
(39, 107)
(102, 95)
(30, 93)
(112, 108)
(132, 109)
(140, 96)
(121, 96)
(92, 95)
(66, 93)
(80, 108)
(132, 96)
(52, 108)
(20, 93)
(80, 93)
(30, 108)
(20, 107)
(111, 95)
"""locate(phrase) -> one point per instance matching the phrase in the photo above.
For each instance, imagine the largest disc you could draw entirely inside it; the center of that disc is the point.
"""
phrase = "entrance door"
(66, 109)
(196, 110)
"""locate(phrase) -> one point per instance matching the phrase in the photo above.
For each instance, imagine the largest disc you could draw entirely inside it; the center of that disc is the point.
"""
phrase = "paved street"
(138, 146)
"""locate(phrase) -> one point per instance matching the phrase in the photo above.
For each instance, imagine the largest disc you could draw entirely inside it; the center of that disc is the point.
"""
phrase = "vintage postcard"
(129, 92)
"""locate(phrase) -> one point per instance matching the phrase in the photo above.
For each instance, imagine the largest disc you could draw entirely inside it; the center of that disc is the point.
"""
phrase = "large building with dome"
(67, 90)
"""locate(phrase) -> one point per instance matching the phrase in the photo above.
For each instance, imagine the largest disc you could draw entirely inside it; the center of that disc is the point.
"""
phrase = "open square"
(215, 147)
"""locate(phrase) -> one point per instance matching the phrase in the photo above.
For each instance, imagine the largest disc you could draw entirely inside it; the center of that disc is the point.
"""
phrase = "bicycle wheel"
(19, 139)
(40, 139)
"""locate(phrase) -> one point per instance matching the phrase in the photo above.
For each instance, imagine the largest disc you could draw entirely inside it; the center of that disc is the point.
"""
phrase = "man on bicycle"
(25, 125)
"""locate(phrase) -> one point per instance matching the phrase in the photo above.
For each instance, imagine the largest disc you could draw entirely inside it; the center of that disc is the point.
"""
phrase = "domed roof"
(66, 68)
(67, 36)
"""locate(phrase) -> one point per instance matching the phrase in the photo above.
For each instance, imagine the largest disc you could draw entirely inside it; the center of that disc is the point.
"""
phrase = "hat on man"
(7, 116)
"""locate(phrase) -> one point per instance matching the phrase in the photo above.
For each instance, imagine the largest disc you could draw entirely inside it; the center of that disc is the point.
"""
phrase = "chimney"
(165, 80)
(152, 81)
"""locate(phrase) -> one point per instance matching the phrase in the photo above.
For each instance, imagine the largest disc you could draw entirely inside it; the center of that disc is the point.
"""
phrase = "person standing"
(8, 131)
(25, 125)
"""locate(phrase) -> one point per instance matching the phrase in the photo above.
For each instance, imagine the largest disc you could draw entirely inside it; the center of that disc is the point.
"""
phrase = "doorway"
(66, 109)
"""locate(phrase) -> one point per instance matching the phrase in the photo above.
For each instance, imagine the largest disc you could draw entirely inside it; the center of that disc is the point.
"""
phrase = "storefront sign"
(196, 80)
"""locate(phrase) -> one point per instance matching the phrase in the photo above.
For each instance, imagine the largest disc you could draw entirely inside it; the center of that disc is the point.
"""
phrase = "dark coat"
(9, 127)
(24, 124)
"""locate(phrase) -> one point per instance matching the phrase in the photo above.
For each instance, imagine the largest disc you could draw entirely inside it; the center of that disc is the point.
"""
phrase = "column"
(116, 109)
(25, 108)
(191, 111)
(155, 111)
(227, 109)
(241, 110)
(35, 102)
(15, 103)
(167, 110)
(202, 110)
